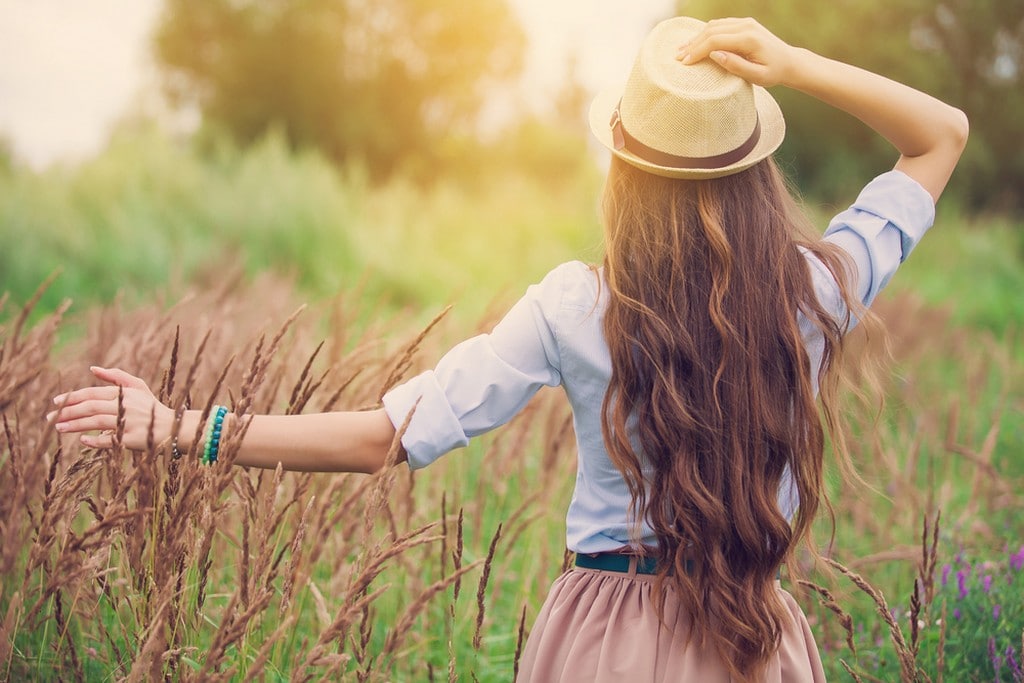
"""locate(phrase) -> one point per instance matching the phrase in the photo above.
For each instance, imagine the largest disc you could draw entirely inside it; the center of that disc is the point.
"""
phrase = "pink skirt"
(601, 626)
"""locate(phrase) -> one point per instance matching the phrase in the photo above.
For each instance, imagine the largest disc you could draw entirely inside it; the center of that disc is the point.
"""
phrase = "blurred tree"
(967, 52)
(976, 48)
(385, 82)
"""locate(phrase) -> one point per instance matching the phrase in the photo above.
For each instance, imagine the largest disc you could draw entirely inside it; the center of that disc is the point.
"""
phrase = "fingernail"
(49, 416)
(718, 55)
(58, 399)
(685, 59)
(62, 427)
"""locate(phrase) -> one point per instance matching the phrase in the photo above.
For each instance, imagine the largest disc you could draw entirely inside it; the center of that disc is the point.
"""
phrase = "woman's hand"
(928, 134)
(95, 409)
(742, 47)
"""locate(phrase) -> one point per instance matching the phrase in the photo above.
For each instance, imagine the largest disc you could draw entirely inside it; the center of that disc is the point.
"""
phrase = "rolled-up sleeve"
(881, 228)
(484, 381)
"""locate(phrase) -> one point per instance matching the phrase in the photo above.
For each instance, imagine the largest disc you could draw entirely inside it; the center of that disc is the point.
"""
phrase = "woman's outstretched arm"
(929, 134)
(322, 442)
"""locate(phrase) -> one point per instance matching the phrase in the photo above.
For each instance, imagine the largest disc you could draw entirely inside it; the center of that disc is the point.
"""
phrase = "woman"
(692, 360)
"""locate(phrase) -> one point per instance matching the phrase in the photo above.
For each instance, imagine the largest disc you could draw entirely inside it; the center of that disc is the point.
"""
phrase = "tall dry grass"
(943, 477)
(120, 565)
(136, 566)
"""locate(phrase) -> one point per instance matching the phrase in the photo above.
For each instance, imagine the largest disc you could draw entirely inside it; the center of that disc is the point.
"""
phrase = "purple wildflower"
(961, 582)
(1017, 559)
(956, 612)
(995, 612)
(1011, 661)
(986, 583)
(997, 661)
(946, 569)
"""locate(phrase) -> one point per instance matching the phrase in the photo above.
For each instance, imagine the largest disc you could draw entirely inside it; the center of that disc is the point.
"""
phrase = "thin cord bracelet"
(175, 451)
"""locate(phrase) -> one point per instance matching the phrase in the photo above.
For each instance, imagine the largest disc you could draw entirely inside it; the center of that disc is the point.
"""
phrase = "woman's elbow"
(957, 129)
(382, 459)
(933, 168)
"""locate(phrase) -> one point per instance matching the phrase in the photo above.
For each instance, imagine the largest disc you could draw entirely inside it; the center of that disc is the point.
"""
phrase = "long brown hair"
(712, 396)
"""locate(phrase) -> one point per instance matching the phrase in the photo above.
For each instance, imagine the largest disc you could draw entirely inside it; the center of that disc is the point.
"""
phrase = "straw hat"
(696, 121)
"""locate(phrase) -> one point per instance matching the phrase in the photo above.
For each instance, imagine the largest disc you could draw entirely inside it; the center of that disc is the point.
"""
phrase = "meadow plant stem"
(908, 663)
(520, 640)
(853, 674)
(828, 601)
(940, 666)
(482, 587)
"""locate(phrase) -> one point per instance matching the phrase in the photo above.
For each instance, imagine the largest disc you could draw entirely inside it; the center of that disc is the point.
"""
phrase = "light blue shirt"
(553, 336)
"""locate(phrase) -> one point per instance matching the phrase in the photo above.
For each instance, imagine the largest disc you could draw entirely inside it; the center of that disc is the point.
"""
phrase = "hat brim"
(773, 131)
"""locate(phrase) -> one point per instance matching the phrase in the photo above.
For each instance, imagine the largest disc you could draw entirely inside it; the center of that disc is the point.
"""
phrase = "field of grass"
(150, 215)
(132, 565)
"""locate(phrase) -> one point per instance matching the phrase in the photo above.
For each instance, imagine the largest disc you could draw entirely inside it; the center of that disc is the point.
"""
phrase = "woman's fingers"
(83, 409)
(89, 423)
(742, 67)
(77, 396)
(119, 380)
(118, 377)
(97, 441)
(732, 38)
(97, 408)
(741, 46)
(700, 46)
(85, 416)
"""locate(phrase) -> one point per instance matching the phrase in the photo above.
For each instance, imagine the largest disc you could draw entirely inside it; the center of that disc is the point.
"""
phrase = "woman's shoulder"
(571, 271)
(578, 285)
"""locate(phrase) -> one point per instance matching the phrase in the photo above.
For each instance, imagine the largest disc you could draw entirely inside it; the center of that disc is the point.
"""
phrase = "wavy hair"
(712, 395)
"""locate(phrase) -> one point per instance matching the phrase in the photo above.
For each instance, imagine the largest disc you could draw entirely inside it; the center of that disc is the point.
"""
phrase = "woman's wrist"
(208, 432)
(808, 71)
(188, 430)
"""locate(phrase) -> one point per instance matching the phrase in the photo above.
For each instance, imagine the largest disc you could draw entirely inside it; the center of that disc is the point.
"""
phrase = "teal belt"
(613, 562)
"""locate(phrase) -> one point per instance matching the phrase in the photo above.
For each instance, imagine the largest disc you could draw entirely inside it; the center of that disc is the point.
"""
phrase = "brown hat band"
(623, 140)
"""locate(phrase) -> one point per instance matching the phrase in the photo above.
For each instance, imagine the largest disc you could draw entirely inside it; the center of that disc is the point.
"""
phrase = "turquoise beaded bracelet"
(213, 430)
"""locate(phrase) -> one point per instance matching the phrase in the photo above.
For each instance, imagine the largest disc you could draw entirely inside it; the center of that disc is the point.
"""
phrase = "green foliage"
(386, 83)
(966, 52)
(966, 625)
(972, 267)
(984, 606)
(149, 213)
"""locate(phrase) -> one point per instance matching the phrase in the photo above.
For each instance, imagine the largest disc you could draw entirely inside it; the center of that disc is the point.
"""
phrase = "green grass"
(974, 267)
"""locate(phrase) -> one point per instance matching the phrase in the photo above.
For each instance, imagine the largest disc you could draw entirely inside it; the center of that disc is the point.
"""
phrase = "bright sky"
(69, 69)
